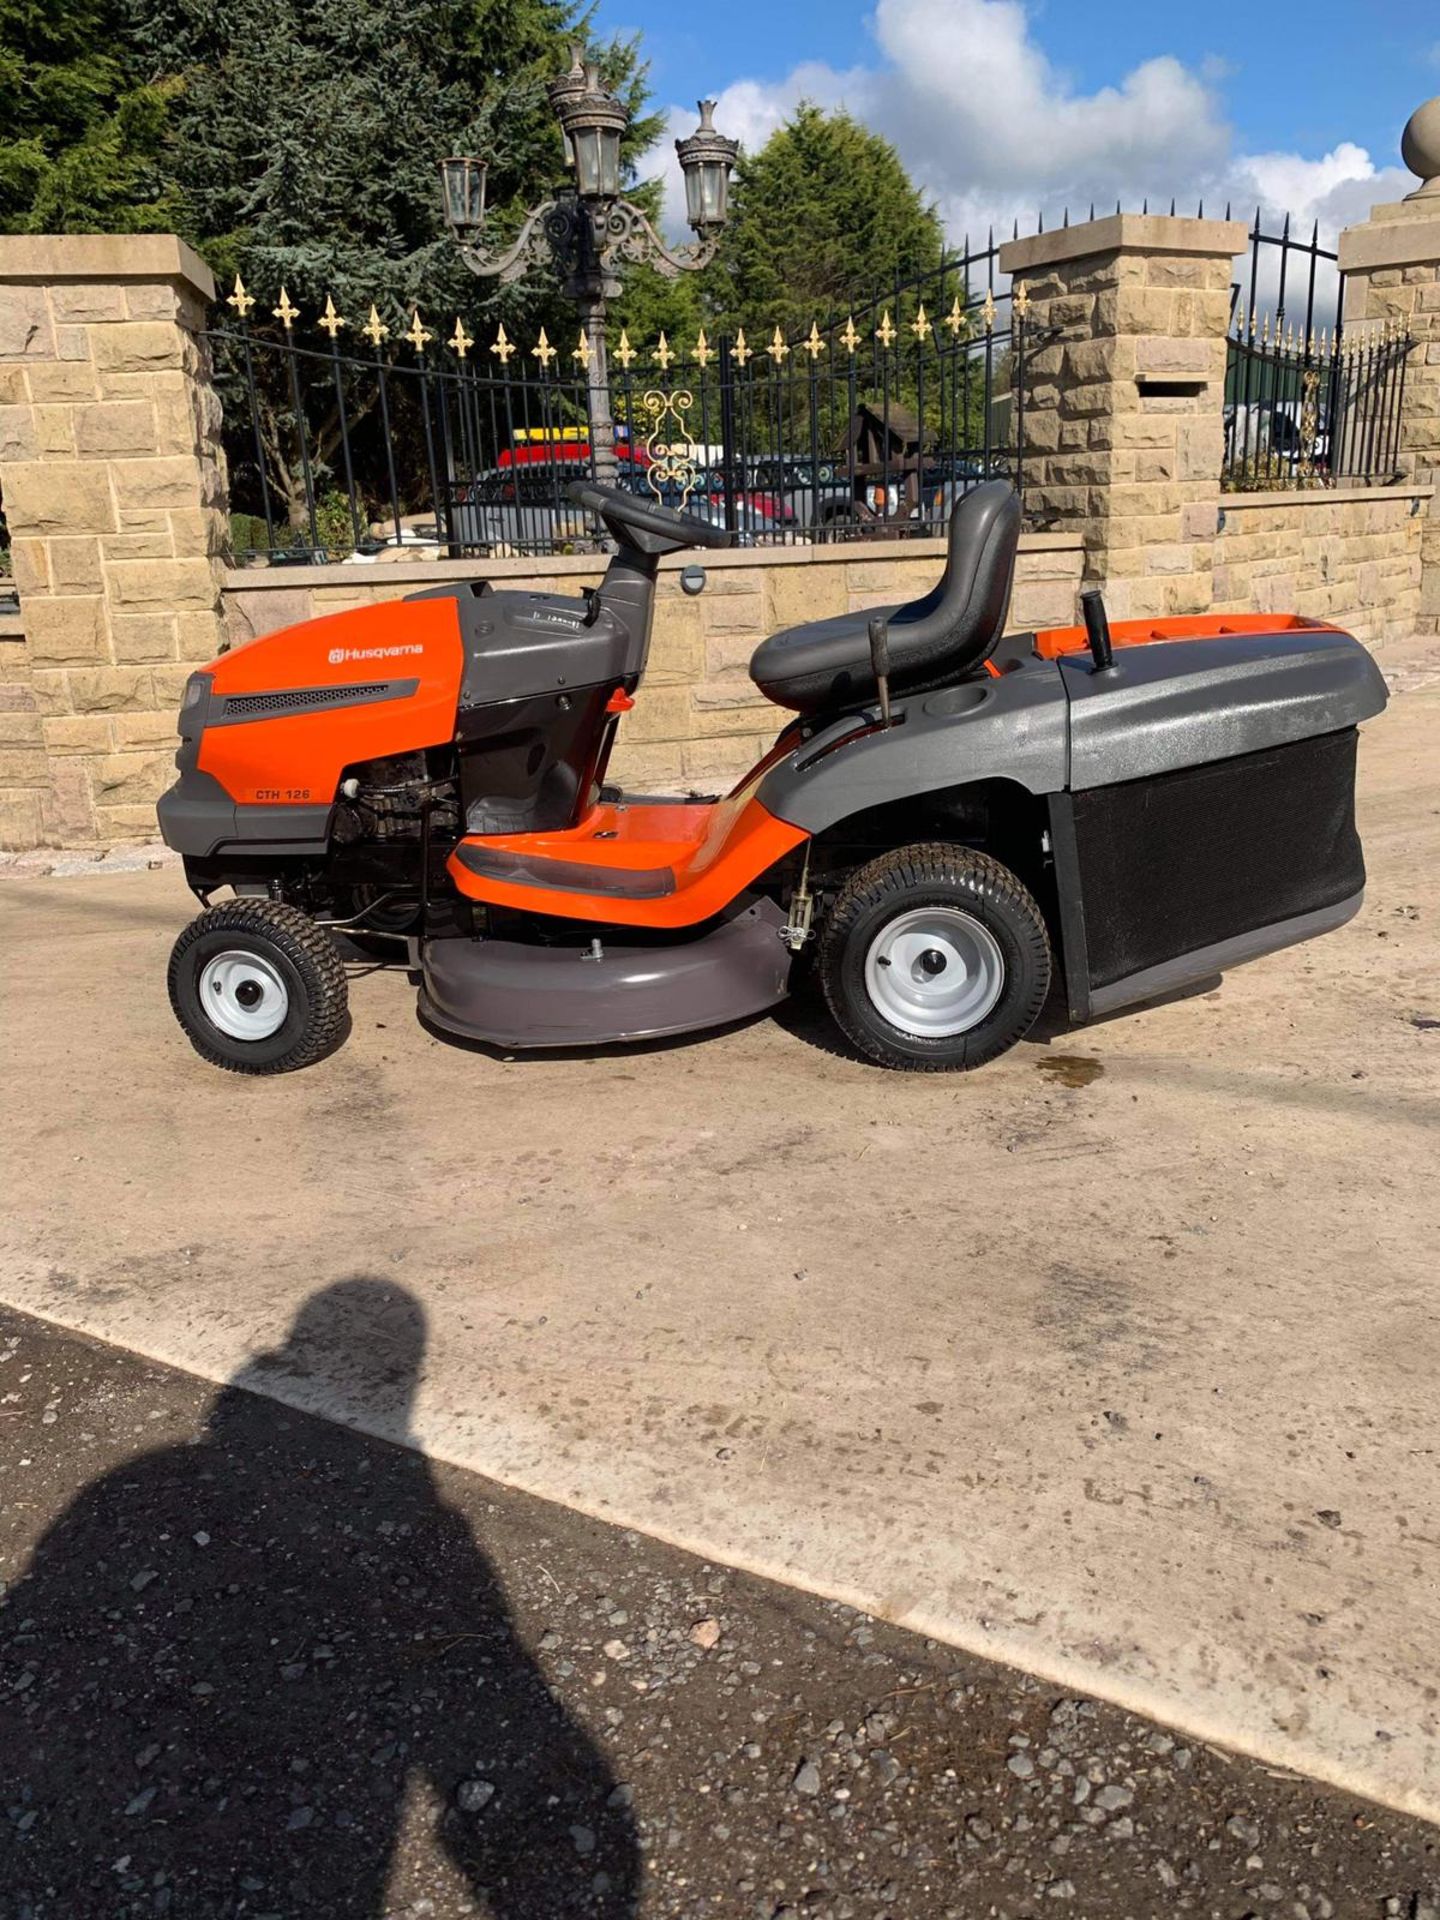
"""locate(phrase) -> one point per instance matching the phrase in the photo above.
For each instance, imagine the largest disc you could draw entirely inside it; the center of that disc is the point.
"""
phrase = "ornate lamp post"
(588, 229)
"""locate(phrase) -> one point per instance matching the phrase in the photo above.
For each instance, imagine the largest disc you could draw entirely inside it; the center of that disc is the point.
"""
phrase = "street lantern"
(705, 160)
(587, 229)
(592, 120)
(463, 183)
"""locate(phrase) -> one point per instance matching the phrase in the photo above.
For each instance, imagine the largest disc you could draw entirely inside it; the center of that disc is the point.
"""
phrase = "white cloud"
(996, 133)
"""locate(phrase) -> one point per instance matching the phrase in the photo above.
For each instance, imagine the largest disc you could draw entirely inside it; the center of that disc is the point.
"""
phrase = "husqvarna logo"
(339, 655)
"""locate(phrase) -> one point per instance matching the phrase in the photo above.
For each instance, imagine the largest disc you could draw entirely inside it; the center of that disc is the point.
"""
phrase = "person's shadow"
(249, 1655)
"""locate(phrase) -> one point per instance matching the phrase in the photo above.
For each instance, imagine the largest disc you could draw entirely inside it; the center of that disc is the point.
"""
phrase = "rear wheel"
(934, 958)
(258, 987)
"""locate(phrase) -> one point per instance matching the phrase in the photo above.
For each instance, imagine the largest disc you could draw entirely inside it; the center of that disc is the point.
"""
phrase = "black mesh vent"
(253, 706)
(1188, 859)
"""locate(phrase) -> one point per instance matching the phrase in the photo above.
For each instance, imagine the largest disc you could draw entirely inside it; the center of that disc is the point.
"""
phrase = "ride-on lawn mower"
(945, 813)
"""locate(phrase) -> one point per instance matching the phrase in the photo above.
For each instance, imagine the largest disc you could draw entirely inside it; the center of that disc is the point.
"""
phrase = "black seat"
(953, 629)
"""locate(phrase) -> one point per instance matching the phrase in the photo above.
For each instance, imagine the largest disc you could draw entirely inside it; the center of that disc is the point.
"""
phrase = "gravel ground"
(253, 1663)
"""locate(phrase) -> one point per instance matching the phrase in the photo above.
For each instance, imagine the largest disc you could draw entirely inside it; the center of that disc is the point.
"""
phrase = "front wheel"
(934, 958)
(258, 987)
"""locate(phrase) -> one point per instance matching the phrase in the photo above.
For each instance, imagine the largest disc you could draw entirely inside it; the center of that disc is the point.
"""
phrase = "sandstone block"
(111, 690)
(131, 779)
(31, 561)
(25, 327)
(115, 427)
(20, 822)
(58, 496)
(155, 730)
(137, 346)
(115, 826)
(661, 713)
(54, 428)
(66, 631)
(180, 586)
(249, 614)
(75, 564)
(67, 733)
(17, 433)
(62, 381)
(143, 637)
(81, 300)
(167, 481)
(139, 546)
(20, 729)
(23, 767)
(68, 809)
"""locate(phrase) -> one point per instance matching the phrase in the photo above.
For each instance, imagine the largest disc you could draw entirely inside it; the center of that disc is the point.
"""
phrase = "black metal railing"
(1308, 403)
(867, 425)
(1313, 412)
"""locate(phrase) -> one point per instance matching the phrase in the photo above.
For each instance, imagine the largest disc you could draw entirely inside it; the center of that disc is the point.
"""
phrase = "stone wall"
(1352, 556)
(114, 493)
(698, 719)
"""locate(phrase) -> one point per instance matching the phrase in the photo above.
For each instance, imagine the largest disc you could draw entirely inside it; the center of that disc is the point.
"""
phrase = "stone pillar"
(1391, 264)
(114, 493)
(1124, 412)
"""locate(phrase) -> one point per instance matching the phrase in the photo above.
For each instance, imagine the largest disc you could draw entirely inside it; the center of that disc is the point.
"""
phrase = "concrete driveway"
(1124, 1372)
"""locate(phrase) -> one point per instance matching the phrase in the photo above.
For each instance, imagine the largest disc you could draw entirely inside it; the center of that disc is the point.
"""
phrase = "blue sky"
(999, 105)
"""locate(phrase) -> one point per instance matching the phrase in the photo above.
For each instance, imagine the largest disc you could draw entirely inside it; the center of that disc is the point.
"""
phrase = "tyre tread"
(290, 929)
(926, 863)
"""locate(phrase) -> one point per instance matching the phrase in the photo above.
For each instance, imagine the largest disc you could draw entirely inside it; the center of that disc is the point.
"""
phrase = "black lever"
(880, 662)
(1097, 629)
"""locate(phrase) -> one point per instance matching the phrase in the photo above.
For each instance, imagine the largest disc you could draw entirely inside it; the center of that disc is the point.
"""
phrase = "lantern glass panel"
(463, 181)
(597, 161)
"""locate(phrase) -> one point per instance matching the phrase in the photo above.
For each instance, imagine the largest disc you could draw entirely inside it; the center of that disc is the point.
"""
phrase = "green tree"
(304, 147)
(824, 215)
(82, 126)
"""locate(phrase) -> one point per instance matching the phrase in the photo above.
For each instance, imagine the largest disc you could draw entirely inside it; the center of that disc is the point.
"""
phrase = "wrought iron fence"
(868, 425)
(1312, 412)
(1307, 403)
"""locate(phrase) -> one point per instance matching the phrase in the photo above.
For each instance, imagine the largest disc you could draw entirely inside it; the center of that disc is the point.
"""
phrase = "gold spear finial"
(330, 320)
(662, 356)
(920, 326)
(285, 313)
(849, 339)
(581, 350)
(987, 310)
(955, 319)
(543, 351)
(375, 329)
(741, 352)
(240, 300)
(625, 353)
(504, 346)
(885, 332)
(1020, 301)
(419, 333)
(777, 348)
(460, 342)
(813, 344)
(704, 353)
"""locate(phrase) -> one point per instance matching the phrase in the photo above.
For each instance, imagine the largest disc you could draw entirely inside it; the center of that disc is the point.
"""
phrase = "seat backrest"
(958, 624)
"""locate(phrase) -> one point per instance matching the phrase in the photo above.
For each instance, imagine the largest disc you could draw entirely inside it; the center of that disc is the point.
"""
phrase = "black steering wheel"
(645, 523)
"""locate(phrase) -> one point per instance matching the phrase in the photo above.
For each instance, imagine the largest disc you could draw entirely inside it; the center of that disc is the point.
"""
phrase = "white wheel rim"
(934, 972)
(244, 996)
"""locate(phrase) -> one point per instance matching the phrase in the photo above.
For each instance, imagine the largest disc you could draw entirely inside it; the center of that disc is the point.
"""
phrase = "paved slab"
(1129, 1382)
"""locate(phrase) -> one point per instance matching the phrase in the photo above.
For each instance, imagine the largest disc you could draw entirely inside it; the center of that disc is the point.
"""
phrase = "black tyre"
(258, 988)
(934, 958)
